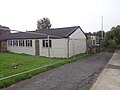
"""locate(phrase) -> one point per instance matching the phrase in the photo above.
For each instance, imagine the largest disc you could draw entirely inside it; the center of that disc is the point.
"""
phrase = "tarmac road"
(78, 75)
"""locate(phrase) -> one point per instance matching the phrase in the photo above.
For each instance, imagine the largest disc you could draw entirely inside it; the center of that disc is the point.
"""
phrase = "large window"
(28, 43)
(21, 43)
(15, 42)
(45, 43)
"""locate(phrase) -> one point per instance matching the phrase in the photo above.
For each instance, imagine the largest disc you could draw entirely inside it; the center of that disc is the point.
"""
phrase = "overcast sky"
(23, 14)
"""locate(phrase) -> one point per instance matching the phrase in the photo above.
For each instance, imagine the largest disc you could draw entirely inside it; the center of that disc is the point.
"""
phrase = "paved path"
(78, 75)
(109, 79)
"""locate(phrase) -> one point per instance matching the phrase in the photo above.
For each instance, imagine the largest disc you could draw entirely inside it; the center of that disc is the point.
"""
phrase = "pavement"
(109, 79)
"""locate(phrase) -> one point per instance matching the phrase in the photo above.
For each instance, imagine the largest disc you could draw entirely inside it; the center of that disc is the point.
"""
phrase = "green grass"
(11, 63)
(112, 47)
(8, 61)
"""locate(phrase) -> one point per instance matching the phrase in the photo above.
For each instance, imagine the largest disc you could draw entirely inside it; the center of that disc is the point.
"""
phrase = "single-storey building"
(62, 42)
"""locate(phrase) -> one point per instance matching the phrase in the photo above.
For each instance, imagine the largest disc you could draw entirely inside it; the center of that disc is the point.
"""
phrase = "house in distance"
(3, 44)
(63, 42)
(93, 42)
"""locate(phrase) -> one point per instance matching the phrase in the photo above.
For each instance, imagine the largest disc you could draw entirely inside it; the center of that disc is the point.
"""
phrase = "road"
(78, 75)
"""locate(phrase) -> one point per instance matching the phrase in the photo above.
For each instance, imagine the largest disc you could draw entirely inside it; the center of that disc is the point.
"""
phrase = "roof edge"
(76, 27)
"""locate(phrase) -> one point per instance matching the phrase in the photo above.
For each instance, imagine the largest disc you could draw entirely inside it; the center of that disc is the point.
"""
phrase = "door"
(0, 46)
(3, 46)
(37, 47)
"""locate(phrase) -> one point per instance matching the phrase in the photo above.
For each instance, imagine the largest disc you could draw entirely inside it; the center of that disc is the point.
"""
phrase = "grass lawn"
(11, 63)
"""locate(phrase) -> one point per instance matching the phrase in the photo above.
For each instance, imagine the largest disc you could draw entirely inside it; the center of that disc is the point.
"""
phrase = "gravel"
(79, 75)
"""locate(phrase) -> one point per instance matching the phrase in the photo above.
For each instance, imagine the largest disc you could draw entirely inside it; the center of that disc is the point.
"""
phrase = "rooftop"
(53, 33)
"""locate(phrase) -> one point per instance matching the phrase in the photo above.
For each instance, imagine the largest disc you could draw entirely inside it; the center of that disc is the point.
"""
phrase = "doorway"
(37, 52)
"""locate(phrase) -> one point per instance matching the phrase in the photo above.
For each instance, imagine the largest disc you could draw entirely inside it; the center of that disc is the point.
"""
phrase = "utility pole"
(102, 28)
(102, 37)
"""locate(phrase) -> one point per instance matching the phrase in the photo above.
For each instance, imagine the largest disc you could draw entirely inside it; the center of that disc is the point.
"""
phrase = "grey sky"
(23, 14)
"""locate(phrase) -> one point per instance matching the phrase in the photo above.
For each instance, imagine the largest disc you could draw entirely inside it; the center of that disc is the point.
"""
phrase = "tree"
(117, 34)
(99, 33)
(4, 30)
(108, 35)
(43, 24)
(114, 34)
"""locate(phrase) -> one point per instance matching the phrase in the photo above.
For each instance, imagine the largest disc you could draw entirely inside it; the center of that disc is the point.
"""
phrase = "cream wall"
(22, 49)
(78, 34)
(77, 43)
(58, 49)
(77, 46)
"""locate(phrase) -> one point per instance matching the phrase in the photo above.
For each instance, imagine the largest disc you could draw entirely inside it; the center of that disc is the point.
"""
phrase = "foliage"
(99, 33)
(113, 34)
(4, 30)
(43, 24)
(112, 47)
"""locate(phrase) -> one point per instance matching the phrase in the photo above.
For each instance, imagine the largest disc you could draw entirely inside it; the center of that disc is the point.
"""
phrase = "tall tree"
(117, 34)
(114, 34)
(43, 24)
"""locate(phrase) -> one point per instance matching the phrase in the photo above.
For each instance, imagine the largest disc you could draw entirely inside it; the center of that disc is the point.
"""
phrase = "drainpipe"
(87, 45)
(68, 47)
(73, 47)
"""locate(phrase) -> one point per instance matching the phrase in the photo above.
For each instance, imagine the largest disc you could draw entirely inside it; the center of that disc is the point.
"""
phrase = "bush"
(112, 46)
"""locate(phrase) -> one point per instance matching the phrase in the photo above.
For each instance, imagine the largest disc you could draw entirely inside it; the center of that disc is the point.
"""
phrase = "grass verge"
(112, 47)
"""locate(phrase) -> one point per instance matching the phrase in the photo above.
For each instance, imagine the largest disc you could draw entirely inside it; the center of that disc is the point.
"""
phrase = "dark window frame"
(21, 43)
(45, 43)
(28, 43)
(15, 42)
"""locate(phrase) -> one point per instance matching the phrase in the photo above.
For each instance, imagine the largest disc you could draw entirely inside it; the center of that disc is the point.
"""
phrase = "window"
(21, 43)
(15, 42)
(93, 42)
(28, 43)
(45, 43)
(9, 42)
